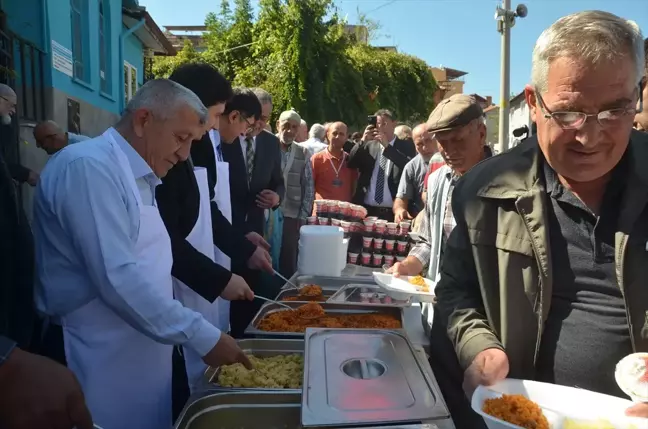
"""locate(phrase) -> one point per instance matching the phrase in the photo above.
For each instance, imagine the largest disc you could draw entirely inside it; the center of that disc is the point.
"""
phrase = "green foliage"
(299, 52)
(164, 66)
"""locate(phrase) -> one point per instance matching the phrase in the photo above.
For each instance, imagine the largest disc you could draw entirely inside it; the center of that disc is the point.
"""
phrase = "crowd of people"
(150, 241)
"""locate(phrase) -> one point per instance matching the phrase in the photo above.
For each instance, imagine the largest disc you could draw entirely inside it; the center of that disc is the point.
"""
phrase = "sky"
(459, 34)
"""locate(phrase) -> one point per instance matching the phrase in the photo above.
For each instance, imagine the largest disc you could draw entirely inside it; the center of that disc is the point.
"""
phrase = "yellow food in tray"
(420, 284)
(276, 372)
(598, 424)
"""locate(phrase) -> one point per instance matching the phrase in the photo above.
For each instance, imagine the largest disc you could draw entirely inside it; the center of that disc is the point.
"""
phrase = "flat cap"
(454, 112)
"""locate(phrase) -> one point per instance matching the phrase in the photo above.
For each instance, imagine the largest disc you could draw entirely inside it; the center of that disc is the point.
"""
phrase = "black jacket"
(266, 174)
(17, 313)
(362, 156)
(178, 200)
(246, 216)
(227, 237)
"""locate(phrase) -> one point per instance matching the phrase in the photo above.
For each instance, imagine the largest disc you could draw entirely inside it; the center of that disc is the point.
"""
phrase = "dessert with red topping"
(632, 376)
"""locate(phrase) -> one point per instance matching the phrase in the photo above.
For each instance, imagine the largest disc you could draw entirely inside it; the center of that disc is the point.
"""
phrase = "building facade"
(77, 62)
(449, 81)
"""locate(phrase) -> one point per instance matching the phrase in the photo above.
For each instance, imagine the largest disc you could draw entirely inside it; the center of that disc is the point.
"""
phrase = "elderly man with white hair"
(8, 102)
(300, 189)
(103, 258)
(315, 142)
(544, 276)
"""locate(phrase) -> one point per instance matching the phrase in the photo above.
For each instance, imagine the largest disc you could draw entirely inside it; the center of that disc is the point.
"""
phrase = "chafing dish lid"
(360, 377)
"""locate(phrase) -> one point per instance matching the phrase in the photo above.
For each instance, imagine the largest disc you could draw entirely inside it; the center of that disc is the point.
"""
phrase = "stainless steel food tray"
(259, 347)
(363, 377)
(331, 308)
(328, 282)
(254, 410)
(326, 292)
(366, 294)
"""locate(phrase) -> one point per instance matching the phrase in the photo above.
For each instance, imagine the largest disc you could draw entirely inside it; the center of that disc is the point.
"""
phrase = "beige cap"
(454, 112)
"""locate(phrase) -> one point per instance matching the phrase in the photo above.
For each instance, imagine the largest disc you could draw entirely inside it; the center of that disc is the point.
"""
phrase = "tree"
(164, 66)
(299, 52)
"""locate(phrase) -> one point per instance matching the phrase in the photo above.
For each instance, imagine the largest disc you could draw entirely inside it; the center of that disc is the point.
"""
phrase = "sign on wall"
(62, 59)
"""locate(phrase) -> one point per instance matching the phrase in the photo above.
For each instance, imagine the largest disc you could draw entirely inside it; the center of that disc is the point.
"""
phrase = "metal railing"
(22, 68)
(29, 63)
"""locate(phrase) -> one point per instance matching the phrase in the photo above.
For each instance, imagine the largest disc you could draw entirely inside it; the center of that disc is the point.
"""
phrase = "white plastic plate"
(401, 288)
(561, 405)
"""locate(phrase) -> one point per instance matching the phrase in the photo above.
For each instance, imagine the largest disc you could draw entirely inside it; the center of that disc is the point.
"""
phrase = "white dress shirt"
(86, 223)
(370, 196)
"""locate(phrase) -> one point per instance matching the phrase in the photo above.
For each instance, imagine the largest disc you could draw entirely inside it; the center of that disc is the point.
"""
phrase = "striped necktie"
(380, 180)
(249, 158)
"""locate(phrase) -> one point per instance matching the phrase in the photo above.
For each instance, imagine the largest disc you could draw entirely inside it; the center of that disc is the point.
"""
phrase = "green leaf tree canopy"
(298, 51)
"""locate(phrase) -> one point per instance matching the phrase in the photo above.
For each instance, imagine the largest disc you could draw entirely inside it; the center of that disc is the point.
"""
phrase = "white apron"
(224, 202)
(201, 239)
(125, 375)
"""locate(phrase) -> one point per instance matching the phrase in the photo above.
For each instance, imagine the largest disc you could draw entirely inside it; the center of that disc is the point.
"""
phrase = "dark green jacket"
(496, 276)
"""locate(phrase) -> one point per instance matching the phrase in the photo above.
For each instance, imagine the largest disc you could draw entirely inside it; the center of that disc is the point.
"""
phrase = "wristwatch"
(6, 347)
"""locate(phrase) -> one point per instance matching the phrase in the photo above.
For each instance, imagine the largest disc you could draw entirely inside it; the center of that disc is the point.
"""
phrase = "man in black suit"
(255, 184)
(265, 188)
(380, 159)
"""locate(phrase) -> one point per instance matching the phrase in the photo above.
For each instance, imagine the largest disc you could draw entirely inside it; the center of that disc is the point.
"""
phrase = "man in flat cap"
(457, 125)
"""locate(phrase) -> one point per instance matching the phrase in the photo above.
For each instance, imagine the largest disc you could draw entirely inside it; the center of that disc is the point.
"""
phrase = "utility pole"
(505, 21)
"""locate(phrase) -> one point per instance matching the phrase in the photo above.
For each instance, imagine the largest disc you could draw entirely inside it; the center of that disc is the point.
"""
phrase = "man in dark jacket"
(36, 392)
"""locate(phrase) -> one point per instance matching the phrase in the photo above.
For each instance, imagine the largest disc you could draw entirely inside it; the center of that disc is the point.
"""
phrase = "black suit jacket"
(178, 200)
(227, 237)
(246, 215)
(362, 156)
(17, 313)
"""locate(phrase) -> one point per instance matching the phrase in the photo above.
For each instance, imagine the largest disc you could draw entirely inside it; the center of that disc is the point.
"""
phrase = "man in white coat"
(104, 261)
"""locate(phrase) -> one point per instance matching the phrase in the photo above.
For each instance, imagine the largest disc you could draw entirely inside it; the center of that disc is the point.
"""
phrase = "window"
(104, 48)
(130, 82)
(80, 54)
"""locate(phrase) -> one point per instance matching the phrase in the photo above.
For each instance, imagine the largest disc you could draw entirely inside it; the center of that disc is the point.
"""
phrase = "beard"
(6, 119)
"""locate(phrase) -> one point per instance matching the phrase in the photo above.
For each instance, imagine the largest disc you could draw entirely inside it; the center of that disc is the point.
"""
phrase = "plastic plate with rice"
(564, 407)
(403, 288)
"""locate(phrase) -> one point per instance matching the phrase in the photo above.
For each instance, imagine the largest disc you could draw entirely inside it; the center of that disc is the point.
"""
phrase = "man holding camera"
(380, 159)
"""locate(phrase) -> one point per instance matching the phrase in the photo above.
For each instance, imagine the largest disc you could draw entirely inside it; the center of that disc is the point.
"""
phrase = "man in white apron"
(232, 193)
(184, 202)
(104, 261)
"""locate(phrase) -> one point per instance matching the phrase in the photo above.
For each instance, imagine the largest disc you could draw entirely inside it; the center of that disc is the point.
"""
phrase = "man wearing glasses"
(544, 276)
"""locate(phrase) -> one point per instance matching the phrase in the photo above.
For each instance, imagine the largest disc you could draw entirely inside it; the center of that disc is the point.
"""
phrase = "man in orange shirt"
(334, 180)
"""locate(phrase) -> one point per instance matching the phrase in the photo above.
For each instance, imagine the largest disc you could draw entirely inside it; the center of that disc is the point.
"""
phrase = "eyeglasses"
(576, 120)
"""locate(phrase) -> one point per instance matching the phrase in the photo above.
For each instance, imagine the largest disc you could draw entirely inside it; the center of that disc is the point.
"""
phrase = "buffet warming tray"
(366, 294)
(327, 292)
(363, 377)
(254, 410)
(260, 348)
(328, 282)
(330, 308)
